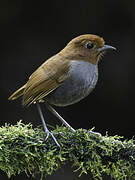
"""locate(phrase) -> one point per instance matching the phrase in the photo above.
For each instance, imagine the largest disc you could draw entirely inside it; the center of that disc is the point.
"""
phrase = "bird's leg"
(44, 125)
(51, 109)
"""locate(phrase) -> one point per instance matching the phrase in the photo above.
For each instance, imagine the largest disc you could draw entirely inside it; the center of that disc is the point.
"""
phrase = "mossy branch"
(24, 149)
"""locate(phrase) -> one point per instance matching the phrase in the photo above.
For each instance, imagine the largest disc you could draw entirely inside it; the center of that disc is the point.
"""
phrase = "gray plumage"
(81, 80)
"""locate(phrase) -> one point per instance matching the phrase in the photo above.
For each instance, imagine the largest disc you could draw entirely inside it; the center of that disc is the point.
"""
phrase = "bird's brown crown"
(80, 40)
(84, 47)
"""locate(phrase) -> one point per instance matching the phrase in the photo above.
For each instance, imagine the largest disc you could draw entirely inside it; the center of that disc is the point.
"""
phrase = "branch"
(24, 149)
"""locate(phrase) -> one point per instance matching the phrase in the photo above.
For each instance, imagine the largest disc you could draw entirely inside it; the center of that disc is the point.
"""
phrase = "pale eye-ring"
(89, 45)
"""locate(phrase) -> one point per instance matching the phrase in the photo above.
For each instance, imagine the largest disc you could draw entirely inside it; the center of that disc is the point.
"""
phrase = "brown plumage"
(65, 78)
(54, 71)
(44, 80)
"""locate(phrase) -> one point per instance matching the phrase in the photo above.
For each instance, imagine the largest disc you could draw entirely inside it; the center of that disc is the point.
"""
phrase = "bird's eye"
(89, 45)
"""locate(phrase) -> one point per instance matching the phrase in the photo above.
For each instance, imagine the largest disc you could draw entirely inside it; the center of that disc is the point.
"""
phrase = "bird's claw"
(48, 133)
(96, 133)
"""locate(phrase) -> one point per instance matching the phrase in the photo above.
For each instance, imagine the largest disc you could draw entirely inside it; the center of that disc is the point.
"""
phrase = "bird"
(65, 78)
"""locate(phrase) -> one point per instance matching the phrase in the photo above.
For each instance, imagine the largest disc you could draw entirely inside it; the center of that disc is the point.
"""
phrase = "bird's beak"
(106, 47)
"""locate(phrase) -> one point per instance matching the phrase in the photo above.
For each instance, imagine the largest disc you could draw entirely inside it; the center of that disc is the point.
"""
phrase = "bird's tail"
(17, 93)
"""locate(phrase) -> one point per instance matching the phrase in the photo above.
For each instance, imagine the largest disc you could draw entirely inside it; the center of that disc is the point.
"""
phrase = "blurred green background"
(32, 31)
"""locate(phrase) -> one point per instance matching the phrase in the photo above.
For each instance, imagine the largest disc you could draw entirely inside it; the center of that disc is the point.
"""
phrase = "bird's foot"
(48, 133)
(96, 133)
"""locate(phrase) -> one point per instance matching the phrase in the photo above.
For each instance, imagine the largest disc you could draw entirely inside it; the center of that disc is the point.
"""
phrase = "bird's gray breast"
(81, 80)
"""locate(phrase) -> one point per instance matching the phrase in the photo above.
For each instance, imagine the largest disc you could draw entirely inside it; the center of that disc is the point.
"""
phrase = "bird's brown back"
(45, 79)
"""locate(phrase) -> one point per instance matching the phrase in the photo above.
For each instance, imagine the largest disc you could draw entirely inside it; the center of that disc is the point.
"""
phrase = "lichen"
(25, 149)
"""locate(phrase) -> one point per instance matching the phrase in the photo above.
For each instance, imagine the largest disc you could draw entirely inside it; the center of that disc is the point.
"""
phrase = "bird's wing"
(45, 79)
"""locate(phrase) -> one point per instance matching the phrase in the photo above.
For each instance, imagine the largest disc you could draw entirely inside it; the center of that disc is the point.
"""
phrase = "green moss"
(24, 149)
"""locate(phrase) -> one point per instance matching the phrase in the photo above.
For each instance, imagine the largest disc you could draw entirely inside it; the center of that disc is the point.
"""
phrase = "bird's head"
(86, 47)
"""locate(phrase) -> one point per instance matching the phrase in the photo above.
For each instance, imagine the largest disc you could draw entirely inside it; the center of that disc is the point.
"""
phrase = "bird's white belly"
(81, 80)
